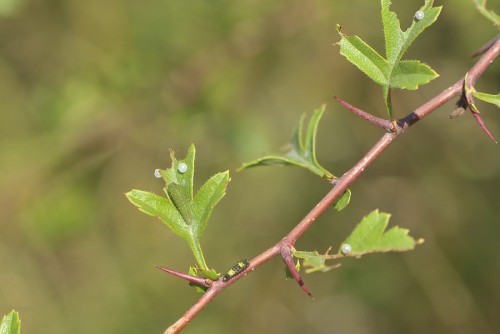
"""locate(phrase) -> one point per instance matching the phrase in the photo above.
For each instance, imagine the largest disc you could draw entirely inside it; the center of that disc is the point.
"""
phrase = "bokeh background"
(94, 93)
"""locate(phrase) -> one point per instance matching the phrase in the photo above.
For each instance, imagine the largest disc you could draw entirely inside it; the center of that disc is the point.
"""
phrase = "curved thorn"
(485, 47)
(482, 125)
(288, 259)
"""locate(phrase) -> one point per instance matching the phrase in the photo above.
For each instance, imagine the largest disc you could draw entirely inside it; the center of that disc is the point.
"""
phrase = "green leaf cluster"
(369, 236)
(302, 149)
(313, 261)
(10, 323)
(184, 213)
(392, 72)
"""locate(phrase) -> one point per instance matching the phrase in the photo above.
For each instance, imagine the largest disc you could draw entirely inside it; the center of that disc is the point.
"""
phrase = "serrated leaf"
(313, 261)
(397, 41)
(364, 57)
(10, 323)
(370, 236)
(410, 74)
(343, 201)
(489, 14)
(185, 215)
(390, 72)
(159, 207)
(490, 98)
(207, 197)
(302, 150)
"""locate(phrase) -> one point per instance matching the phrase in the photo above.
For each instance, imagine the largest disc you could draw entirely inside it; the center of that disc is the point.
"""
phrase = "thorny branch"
(340, 185)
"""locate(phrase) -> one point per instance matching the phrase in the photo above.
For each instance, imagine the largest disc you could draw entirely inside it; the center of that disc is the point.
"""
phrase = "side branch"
(340, 185)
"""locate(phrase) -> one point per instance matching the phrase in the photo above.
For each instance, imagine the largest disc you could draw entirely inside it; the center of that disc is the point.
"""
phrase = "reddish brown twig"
(342, 184)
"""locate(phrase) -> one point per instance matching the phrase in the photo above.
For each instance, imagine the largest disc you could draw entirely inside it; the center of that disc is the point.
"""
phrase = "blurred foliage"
(94, 93)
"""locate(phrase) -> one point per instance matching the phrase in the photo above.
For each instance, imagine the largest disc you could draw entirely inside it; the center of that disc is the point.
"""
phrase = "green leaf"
(207, 197)
(302, 152)
(391, 72)
(364, 57)
(343, 201)
(370, 236)
(314, 261)
(10, 323)
(184, 215)
(490, 98)
(489, 14)
(160, 207)
(410, 74)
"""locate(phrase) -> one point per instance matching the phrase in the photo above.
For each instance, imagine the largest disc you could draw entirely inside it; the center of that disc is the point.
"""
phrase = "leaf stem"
(195, 246)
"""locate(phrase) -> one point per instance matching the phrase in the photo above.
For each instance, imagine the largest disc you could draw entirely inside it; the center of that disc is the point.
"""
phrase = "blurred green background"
(94, 93)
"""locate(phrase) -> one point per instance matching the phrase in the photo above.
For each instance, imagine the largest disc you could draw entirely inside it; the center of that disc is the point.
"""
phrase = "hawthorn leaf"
(207, 197)
(410, 74)
(10, 323)
(371, 236)
(302, 151)
(159, 207)
(185, 215)
(398, 41)
(364, 57)
(390, 72)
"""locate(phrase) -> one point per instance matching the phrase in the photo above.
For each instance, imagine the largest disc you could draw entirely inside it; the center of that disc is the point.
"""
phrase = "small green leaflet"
(370, 236)
(490, 98)
(185, 215)
(392, 72)
(489, 14)
(343, 201)
(314, 261)
(10, 323)
(302, 150)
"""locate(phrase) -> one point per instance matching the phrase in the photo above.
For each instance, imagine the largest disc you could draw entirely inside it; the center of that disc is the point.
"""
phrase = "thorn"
(382, 123)
(288, 259)
(485, 47)
(193, 279)
(482, 125)
(468, 90)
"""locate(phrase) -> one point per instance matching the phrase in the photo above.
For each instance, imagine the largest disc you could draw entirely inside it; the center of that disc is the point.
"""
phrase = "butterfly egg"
(346, 248)
(419, 15)
(182, 168)
(157, 173)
